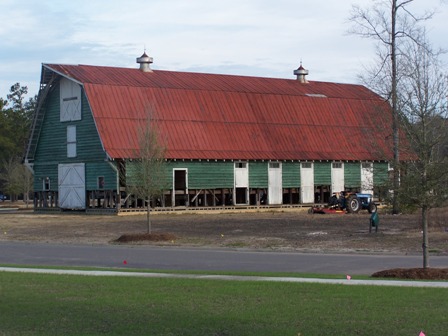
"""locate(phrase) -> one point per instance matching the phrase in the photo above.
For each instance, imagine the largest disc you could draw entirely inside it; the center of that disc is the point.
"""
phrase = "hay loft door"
(337, 177)
(275, 191)
(241, 183)
(367, 177)
(72, 186)
(306, 182)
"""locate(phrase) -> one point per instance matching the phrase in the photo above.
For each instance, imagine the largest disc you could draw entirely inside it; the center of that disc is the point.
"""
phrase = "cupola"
(145, 62)
(301, 72)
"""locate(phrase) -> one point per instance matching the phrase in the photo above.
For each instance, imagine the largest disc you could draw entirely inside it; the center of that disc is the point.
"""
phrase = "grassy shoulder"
(139, 270)
(43, 304)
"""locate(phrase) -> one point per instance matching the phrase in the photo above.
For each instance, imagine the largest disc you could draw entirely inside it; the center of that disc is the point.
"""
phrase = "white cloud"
(252, 37)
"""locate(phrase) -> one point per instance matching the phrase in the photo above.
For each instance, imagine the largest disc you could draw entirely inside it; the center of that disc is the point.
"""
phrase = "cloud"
(251, 37)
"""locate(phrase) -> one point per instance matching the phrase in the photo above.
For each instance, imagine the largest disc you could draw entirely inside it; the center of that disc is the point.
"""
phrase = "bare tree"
(147, 170)
(423, 98)
(390, 23)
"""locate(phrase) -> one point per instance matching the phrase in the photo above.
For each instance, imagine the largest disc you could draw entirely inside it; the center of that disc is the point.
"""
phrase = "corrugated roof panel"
(235, 117)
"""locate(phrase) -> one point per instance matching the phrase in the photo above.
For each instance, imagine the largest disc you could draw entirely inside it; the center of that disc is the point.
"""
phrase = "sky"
(241, 37)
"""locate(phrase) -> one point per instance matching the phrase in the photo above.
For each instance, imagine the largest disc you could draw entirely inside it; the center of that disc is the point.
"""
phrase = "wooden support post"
(118, 200)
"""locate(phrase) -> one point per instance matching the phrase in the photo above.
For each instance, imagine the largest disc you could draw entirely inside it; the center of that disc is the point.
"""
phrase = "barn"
(230, 140)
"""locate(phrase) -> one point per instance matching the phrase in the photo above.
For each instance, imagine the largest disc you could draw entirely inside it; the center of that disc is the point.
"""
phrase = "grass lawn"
(42, 304)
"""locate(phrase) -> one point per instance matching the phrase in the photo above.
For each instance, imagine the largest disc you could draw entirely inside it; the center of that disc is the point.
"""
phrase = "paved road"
(184, 259)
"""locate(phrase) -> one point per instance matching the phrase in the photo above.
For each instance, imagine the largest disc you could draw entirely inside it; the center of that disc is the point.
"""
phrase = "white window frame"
(46, 184)
(337, 165)
(307, 165)
(241, 164)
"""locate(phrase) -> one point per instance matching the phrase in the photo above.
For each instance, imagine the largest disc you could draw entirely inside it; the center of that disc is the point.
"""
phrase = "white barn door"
(337, 177)
(306, 182)
(275, 190)
(241, 183)
(367, 177)
(72, 186)
(70, 100)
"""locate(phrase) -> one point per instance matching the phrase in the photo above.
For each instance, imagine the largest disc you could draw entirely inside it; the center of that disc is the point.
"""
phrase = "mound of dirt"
(414, 273)
(142, 237)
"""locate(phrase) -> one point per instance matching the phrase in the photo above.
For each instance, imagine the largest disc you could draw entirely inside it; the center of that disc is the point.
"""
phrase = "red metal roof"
(208, 116)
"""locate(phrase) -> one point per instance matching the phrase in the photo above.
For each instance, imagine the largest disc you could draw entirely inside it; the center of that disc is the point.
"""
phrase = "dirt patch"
(414, 273)
(146, 237)
(280, 230)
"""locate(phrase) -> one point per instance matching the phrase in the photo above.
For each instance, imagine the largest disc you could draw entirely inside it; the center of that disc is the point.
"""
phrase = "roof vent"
(145, 62)
(301, 72)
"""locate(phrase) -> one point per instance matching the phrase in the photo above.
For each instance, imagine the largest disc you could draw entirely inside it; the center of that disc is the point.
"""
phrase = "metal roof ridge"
(209, 74)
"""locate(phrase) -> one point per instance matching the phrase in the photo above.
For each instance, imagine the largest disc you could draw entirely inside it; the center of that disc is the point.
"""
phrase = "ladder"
(38, 118)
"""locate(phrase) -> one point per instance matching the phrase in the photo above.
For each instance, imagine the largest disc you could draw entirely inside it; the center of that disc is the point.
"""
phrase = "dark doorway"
(180, 188)
(240, 195)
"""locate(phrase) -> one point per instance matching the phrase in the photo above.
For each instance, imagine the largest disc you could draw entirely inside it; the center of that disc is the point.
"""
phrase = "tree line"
(16, 117)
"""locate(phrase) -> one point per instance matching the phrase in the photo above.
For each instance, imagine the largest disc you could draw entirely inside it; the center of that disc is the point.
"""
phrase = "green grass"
(42, 304)
(258, 274)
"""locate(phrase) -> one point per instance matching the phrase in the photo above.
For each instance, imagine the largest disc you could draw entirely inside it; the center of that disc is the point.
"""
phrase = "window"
(274, 164)
(240, 164)
(46, 184)
(366, 165)
(337, 164)
(100, 182)
(71, 141)
(306, 165)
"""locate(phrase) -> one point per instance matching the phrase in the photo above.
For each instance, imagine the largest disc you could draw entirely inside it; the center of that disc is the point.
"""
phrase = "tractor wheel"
(353, 204)
(372, 207)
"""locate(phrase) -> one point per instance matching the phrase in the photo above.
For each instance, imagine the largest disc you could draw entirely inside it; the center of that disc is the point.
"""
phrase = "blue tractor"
(353, 202)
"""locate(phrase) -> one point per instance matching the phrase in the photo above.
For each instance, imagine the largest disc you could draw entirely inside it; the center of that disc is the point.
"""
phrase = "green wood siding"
(380, 173)
(201, 174)
(258, 174)
(322, 173)
(291, 174)
(352, 174)
(42, 171)
(52, 147)
(97, 169)
(205, 175)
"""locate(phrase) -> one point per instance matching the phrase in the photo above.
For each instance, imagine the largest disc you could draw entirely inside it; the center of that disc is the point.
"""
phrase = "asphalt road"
(185, 259)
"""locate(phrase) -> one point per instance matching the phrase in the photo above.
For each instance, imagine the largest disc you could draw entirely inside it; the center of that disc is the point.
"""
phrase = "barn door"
(241, 183)
(275, 191)
(307, 182)
(337, 177)
(367, 177)
(70, 95)
(180, 187)
(72, 186)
